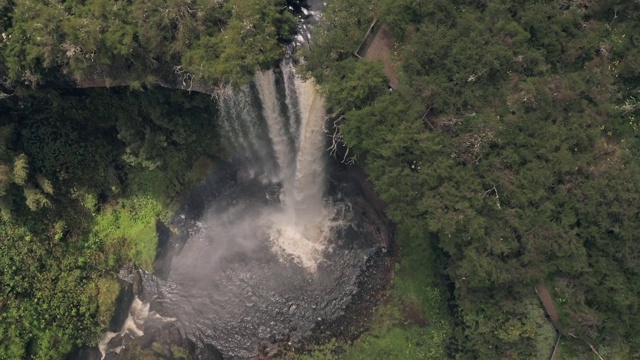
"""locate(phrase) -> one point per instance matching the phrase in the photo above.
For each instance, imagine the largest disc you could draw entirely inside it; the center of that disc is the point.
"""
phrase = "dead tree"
(337, 140)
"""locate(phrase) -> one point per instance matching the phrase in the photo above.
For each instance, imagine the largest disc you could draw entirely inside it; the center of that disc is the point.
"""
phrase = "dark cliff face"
(297, 6)
(85, 353)
(170, 78)
(123, 303)
(353, 179)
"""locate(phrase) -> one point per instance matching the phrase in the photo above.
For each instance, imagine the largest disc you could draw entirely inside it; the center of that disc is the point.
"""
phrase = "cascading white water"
(290, 79)
(301, 229)
(138, 314)
(310, 178)
(276, 124)
(243, 132)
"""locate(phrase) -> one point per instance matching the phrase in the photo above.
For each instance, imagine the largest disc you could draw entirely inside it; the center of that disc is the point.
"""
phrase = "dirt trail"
(547, 303)
(380, 49)
(550, 308)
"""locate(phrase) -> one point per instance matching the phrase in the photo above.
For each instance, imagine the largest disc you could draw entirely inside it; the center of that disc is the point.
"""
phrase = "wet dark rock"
(112, 356)
(208, 352)
(161, 340)
(122, 305)
(85, 353)
(163, 350)
(285, 337)
(164, 253)
(131, 274)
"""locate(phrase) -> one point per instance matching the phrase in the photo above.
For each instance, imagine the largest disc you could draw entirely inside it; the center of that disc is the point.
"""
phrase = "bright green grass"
(108, 290)
(127, 228)
(179, 353)
(128, 231)
(400, 343)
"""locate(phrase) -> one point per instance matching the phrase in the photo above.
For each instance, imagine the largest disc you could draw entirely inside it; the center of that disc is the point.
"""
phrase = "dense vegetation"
(222, 41)
(511, 145)
(85, 177)
(508, 157)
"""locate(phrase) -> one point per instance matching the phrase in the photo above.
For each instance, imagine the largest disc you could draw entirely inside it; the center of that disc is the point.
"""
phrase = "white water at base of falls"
(289, 151)
(138, 314)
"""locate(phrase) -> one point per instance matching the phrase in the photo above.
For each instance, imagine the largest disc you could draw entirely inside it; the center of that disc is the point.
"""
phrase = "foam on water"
(305, 243)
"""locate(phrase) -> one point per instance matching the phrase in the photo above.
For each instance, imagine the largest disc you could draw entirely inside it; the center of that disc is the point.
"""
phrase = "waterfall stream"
(276, 124)
(278, 249)
(300, 228)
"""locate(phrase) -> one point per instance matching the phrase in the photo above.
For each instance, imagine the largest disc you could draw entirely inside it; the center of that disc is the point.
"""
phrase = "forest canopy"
(509, 151)
(513, 140)
(86, 176)
(222, 41)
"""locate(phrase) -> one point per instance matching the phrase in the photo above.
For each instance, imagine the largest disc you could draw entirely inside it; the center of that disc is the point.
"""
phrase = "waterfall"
(290, 80)
(242, 130)
(285, 147)
(276, 125)
(237, 279)
(309, 178)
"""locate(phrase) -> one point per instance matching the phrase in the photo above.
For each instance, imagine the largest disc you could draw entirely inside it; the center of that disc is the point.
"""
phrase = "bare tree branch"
(187, 77)
(338, 140)
(594, 351)
(494, 190)
(336, 136)
(426, 120)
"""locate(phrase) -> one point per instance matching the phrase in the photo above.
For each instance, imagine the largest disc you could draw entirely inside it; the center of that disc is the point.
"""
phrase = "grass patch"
(160, 185)
(127, 230)
(124, 229)
(399, 343)
(108, 290)
(179, 353)
(396, 333)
